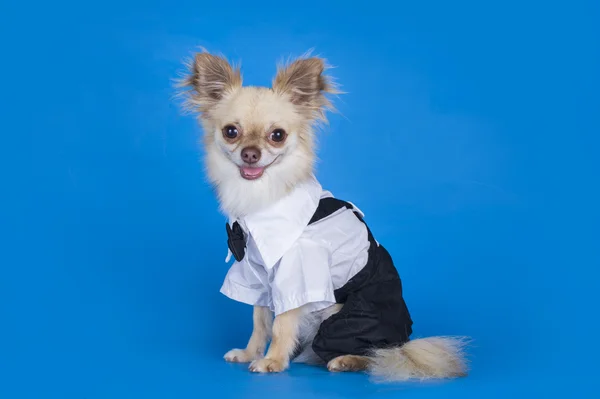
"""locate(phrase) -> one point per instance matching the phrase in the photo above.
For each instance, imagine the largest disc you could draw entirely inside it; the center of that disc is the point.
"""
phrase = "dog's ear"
(209, 79)
(304, 81)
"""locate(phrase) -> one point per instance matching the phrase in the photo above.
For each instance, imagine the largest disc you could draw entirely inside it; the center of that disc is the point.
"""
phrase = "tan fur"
(309, 326)
(295, 103)
(420, 359)
(210, 78)
(303, 82)
(425, 358)
(261, 332)
(285, 338)
(349, 363)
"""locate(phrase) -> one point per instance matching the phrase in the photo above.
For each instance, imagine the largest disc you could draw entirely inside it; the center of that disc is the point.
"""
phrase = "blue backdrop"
(478, 123)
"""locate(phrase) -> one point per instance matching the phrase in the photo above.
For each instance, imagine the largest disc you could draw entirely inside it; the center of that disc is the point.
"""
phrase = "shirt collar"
(276, 228)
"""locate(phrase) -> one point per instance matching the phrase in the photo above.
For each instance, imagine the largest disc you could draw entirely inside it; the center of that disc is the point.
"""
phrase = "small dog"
(302, 255)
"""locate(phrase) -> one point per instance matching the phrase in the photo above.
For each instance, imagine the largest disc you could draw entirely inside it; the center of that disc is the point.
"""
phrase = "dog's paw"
(348, 363)
(267, 366)
(240, 356)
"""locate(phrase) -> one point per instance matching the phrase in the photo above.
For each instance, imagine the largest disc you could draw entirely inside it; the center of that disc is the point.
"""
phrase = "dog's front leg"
(261, 332)
(285, 337)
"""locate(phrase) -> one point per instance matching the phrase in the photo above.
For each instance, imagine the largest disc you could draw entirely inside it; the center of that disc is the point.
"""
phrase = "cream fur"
(285, 339)
(421, 359)
(261, 333)
(296, 102)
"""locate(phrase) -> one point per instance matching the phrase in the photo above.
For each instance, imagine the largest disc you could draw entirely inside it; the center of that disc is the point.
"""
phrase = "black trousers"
(374, 313)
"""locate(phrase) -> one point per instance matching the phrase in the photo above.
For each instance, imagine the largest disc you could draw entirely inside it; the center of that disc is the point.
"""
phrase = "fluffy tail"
(425, 358)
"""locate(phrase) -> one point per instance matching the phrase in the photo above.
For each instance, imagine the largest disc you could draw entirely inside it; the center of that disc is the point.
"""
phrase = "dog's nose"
(250, 155)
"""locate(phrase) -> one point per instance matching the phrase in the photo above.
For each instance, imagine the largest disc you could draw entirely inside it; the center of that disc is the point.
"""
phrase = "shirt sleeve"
(303, 277)
(246, 283)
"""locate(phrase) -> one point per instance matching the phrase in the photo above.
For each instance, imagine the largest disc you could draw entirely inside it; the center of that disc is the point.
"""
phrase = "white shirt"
(289, 263)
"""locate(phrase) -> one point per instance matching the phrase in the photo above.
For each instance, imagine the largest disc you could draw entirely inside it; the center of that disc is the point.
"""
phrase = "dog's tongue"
(252, 172)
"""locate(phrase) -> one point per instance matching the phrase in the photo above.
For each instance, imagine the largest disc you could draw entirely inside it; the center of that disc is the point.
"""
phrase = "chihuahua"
(323, 289)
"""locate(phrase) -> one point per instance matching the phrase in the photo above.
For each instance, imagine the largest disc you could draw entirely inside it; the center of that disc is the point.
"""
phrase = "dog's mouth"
(254, 172)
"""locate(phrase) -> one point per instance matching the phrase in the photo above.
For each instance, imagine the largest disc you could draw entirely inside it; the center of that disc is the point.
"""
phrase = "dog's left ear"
(305, 83)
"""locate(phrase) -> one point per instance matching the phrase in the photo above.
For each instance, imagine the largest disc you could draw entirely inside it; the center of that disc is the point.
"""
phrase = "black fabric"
(236, 241)
(328, 206)
(374, 313)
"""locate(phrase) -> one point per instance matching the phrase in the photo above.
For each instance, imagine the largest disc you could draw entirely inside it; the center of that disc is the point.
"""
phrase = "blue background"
(477, 128)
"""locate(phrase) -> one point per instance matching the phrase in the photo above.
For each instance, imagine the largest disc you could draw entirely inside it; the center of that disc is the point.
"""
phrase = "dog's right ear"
(210, 78)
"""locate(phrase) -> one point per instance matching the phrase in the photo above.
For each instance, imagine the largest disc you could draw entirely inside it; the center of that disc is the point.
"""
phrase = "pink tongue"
(252, 171)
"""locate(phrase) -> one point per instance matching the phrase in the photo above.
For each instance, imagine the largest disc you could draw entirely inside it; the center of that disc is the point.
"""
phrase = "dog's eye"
(230, 132)
(278, 135)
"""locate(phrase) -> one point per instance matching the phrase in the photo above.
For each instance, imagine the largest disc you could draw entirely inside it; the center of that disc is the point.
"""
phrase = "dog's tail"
(425, 358)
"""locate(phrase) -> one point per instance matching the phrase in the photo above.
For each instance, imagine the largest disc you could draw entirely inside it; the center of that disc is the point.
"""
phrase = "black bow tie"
(235, 241)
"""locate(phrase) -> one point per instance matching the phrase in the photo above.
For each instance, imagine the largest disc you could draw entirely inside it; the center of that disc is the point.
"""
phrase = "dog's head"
(259, 141)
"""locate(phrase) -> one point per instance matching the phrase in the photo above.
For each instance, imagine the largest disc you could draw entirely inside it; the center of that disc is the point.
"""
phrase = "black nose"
(250, 155)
